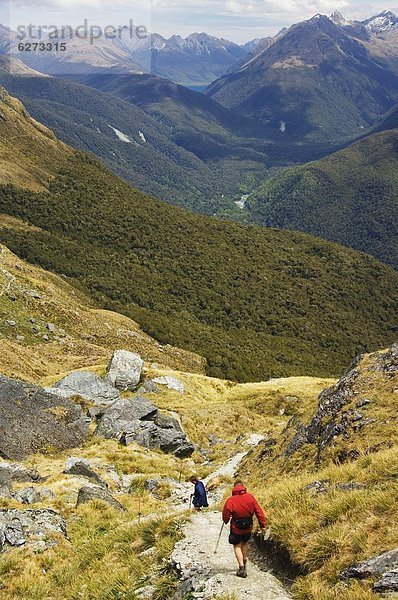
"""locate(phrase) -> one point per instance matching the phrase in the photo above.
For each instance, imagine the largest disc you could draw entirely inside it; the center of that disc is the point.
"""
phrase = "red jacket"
(242, 504)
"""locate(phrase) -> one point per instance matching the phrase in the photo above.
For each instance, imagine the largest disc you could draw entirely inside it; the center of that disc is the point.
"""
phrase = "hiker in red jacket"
(240, 509)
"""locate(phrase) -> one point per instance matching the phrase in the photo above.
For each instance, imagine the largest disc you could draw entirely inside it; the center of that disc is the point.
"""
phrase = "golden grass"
(325, 533)
(91, 334)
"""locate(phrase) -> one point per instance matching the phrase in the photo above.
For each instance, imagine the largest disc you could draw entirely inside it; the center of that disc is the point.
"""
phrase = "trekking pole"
(219, 538)
(190, 501)
(139, 511)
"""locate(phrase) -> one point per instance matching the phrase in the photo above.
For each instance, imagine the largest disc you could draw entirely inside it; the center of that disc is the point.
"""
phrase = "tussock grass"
(326, 532)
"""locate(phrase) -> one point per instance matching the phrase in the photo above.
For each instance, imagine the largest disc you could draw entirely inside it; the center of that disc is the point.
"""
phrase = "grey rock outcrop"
(82, 468)
(338, 414)
(19, 473)
(87, 385)
(33, 420)
(171, 383)
(374, 566)
(124, 370)
(119, 417)
(137, 420)
(388, 583)
(30, 527)
(93, 492)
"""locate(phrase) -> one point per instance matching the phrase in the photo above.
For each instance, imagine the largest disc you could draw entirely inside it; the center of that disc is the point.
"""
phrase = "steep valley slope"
(254, 302)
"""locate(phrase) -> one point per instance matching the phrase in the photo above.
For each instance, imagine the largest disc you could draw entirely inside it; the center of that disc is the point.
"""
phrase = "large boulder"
(124, 370)
(119, 417)
(164, 434)
(93, 492)
(82, 468)
(30, 527)
(137, 420)
(33, 420)
(87, 385)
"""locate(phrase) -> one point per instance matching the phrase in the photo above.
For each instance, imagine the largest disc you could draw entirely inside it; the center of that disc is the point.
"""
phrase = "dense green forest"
(256, 302)
(349, 197)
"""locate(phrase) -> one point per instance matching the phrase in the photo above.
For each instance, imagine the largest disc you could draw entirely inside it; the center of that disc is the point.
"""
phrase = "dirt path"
(213, 574)
(206, 574)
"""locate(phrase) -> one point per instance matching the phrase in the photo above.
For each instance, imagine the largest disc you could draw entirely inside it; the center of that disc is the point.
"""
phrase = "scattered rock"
(171, 383)
(388, 583)
(34, 294)
(387, 363)
(318, 487)
(363, 403)
(87, 385)
(357, 416)
(149, 387)
(254, 439)
(119, 417)
(28, 496)
(377, 565)
(19, 473)
(124, 370)
(145, 593)
(33, 420)
(351, 486)
(28, 527)
(93, 492)
(10, 323)
(50, 327)
(82, 468)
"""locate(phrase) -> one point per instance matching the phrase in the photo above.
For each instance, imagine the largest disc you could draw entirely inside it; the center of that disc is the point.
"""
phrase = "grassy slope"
(88, 334)
(101, 536)
(221, 290)
(325, 533)
(349, 197)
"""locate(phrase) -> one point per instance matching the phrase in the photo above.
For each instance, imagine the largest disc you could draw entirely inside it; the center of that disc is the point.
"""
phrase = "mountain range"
(194, 61)
(222, 290)
(322, 79)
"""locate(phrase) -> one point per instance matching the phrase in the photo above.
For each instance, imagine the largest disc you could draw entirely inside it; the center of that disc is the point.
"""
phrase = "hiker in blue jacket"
(199, 497)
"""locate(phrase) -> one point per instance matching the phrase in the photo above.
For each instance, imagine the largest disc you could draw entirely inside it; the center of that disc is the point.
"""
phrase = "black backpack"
(244, 522)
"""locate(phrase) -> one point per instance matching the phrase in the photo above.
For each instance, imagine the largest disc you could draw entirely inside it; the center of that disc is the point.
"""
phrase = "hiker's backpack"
(244, 522)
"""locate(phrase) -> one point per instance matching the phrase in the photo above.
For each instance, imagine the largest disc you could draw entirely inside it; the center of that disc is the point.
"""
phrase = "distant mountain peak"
(338, 19)
(384, 21)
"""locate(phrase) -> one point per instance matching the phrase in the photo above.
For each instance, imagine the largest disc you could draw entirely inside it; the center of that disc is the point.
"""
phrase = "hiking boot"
(245, 565)
(241, 572)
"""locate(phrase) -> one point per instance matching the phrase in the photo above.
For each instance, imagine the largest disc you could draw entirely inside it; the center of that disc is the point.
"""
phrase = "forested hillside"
(255, 302)
(349, 197)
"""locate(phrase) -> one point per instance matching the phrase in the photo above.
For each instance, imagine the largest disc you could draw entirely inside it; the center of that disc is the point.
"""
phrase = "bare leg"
(245, 551)
(239, 554)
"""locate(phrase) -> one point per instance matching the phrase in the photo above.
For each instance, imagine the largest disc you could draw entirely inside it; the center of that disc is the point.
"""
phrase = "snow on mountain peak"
(384, 21)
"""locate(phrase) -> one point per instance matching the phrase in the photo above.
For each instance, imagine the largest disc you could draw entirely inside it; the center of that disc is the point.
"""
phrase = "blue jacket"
(200, 497)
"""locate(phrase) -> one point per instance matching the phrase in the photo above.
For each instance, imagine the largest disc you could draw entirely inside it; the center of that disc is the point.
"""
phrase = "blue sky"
(238, 20)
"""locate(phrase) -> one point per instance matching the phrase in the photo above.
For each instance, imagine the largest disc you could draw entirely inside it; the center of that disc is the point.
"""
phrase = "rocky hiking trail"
(207, 574)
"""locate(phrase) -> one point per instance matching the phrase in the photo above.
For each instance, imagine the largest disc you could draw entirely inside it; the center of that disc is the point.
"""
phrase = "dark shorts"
(235, 538)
